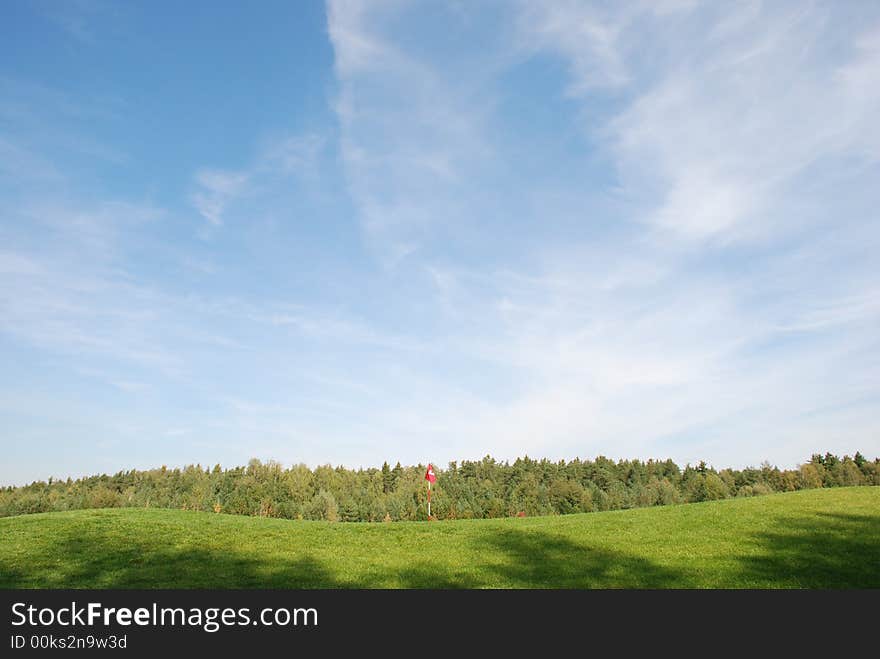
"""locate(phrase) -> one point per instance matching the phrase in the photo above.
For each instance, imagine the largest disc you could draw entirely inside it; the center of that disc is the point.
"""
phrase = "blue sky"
(374, 231)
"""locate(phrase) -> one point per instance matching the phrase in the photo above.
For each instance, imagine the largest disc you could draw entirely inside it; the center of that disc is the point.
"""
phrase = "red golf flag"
(429, 475)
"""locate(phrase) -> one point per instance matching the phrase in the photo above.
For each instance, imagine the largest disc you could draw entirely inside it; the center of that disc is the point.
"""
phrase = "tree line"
(465, 490)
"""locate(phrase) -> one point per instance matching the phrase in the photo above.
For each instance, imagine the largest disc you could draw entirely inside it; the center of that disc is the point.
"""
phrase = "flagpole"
(430, 477)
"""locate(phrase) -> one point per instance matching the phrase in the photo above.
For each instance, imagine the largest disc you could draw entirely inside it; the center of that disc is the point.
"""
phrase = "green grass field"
(810, 539)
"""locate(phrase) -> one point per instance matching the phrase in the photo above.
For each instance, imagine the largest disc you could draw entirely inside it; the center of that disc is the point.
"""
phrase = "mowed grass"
(811, 539)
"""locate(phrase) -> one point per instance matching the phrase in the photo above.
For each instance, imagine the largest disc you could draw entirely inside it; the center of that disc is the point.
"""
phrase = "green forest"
(470, 489)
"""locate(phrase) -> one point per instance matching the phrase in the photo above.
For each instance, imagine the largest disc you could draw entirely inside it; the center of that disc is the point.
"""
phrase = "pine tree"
(396, 474)
(387, 485)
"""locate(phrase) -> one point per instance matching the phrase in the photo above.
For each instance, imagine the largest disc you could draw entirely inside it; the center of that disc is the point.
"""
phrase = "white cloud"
(666, 367)
(216, 190)
(858, 82)
(720, 125)
(586, 35)
(669, 252)
(720, 110)
(735, 113)
(290, 155)
(412, 133)
(355, 48)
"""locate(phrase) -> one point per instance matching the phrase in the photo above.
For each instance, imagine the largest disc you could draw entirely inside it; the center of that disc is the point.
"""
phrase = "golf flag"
(431, 478)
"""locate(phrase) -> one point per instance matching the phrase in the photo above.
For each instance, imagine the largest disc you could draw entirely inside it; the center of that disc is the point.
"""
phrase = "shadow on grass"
(539, 560)
(825, 550)
(817, 551)
(94, 560)
(530, 559)
(517, 559)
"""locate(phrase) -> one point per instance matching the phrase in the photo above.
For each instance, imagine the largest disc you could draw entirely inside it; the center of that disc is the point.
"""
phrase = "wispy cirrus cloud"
(412, 133)
(735, 106)
(718, 286)
(569, 228)
(215, 189)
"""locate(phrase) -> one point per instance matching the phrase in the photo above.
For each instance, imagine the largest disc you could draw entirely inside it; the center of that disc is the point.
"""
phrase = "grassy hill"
(810, 539)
